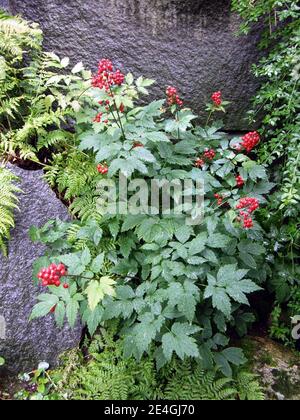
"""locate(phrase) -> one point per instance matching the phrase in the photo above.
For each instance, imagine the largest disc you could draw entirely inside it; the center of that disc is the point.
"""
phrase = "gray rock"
(24, 344)
(187, 43)
(277, 367)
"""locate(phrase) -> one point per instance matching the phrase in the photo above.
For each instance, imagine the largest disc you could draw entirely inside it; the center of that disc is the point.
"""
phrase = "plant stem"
(117, 110)
(177, 116)
(209, 117)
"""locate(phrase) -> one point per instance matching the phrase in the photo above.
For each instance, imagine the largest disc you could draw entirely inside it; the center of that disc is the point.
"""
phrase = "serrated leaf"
(183, 233)
(60, 313)
(72, 309)
(94, 293)
(78, 68)
(97, 263)
(218, 240)
(179, 341)
(43, 308)
(86, 257)
(197, 245)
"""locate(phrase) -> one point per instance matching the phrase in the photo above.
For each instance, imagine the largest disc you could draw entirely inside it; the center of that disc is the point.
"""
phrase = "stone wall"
(25, 344)
(188, 43)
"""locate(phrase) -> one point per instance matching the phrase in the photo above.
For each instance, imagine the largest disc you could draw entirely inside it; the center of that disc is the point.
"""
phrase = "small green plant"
(106, 375)
(277, 101)
(8, 203)
(38, 95)
(173, 285)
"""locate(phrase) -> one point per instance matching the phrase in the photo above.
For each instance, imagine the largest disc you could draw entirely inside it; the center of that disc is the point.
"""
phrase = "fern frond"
(8, 203)
(248, 387)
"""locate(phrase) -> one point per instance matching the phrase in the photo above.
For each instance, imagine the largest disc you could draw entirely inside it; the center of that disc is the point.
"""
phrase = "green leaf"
(60, 313)
(234, 355)
(157, 136)
(223, 364)
(93, 319)
(218, 240)
(78, 68)
(86, 257)
(221, 301)
(179, 340)
(248, 259)
(197, 245)
(184, 233)
(72, 312)
(43, 308)
(94, 293)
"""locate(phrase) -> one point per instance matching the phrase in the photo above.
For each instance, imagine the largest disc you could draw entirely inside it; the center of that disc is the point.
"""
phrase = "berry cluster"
(219, 199)
(52, 275)
(199, 163)
(250, 140)
(106, 76)
(247, 206)
(239, 181)
(173, 97)
(207, 155)
(102, 169)
(217, 98)
(98, 118)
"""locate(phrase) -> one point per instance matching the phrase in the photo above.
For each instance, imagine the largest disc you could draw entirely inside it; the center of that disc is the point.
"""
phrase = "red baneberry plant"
(174, 287)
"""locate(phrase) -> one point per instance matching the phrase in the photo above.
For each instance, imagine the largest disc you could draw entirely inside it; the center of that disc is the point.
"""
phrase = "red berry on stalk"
(250, 140)
(173, 97)
(217, 98)
(239, 181)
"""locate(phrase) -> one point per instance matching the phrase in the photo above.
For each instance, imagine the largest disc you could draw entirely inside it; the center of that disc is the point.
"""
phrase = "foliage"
(172, 285)
(282, 315)
(278, 101)
(37, 95)
(8, 203)
(107, 376)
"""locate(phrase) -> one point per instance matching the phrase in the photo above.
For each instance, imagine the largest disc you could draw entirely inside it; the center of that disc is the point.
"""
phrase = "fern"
(75, 176)
(193, 383)
(37, 95)
(8, 203)
(108, 376)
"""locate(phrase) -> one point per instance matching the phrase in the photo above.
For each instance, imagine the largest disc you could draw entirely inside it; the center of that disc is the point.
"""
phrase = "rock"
(191, 44)
(24, 344)
(278, 368)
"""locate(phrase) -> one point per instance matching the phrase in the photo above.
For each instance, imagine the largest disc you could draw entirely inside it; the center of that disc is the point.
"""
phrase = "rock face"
(187, 43)
(24, 344)
(277, 367)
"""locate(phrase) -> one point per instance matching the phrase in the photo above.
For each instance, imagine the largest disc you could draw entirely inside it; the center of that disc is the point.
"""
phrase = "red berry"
(199, 163)
(250, 140)
(106, 77)
(217, 98)
(173, 97)
(239, 181)
(137, 144)
(209, 154)
(66, 286)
